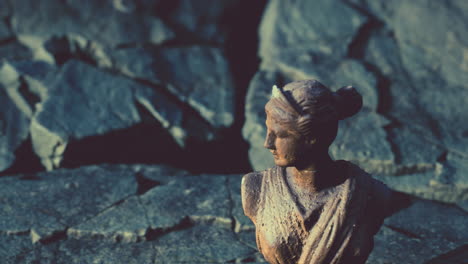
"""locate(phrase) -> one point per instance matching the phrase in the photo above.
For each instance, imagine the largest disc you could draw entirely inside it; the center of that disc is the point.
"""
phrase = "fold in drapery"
(281, 234)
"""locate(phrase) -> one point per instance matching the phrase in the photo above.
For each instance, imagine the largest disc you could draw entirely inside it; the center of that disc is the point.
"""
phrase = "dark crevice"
(55, 237)
(404, 232)
(456, 256)
(230, 205)
(31, 98)
(64, 49)
(7, 41)
(141, 143)
(26, 162)
(398, 202)
(144, 184)
(358, 45)
(154, 234)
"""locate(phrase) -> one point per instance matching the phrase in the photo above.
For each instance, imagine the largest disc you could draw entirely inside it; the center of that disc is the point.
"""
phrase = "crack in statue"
(310, 209)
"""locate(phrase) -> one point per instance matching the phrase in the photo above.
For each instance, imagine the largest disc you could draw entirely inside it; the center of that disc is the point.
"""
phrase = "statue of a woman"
(310, 209)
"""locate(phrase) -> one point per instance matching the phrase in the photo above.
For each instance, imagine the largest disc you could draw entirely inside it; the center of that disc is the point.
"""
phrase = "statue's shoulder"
(380, 195)
(250, 190)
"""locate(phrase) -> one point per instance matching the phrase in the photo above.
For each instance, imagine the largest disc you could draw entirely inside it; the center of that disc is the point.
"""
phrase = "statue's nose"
(269, 141)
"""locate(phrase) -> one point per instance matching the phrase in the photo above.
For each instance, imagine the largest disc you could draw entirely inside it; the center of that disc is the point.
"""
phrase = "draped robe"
(341, 230)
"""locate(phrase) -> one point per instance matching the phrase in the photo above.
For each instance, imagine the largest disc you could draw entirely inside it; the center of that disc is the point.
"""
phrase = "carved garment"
(339, 231)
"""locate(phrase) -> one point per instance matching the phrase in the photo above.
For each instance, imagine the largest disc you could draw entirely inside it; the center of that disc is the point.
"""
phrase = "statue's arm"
(250, 192)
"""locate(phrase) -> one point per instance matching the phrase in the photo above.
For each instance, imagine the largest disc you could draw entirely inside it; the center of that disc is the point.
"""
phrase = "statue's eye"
(282, 134)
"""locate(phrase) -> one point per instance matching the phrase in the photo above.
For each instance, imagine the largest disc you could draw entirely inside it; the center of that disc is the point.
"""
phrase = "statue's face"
(285, 145)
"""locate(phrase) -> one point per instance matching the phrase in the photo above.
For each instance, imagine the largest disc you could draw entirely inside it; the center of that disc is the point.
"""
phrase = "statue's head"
(302, 119)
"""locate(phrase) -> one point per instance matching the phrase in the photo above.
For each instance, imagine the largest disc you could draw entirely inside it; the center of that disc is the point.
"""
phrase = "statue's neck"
(316, 175)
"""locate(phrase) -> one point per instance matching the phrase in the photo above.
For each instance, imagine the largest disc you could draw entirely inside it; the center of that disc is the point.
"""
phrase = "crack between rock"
(404, 232)
(153, 234)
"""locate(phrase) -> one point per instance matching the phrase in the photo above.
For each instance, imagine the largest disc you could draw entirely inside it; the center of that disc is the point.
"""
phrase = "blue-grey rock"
(205, 21)
(15, 50)
(84, 101)
(197, 75)
(201, 198)
(420, 233)
(14, 124)
(47, 203)
(12, 245)
(362, 139)
(5, 32)
(425, 62)
(298, 28)
(102, 21)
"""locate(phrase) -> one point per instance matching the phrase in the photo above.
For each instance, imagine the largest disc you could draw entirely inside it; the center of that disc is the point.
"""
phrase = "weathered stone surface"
(83, 101)
(88, 251)
(295, 29)
(202, 244)
(15, 50)
(48, 203)
(351, 145)
(420, 233)
(198, 75)
(427, 65)
(205, 21)
(13, 122)
(13, 245)
(4, 31)
(203, 198)
(242, 222)
(73, 17)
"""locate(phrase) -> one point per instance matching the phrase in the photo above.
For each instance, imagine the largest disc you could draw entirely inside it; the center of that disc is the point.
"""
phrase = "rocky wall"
(184, 83)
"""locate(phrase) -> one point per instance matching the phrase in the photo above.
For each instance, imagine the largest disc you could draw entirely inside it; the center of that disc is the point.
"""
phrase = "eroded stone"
(50, 202)
(56, 18)
(198, 75)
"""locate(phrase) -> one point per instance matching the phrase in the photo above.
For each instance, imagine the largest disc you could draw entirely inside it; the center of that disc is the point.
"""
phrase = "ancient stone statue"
(310, 208)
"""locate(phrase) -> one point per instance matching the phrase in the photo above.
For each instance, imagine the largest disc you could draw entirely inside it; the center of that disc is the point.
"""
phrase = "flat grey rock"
(420, 233)
(14, 245)
(54, 17)
(13, 122)
(15, 50)
(47, 203)
(4, 30)
(203, 20)
(202, 198)
(294, 29)
(84, 101)
(200, 244)
(197, 75)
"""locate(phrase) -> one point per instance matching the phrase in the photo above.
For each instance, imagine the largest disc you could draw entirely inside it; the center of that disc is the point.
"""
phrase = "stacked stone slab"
(74, 70)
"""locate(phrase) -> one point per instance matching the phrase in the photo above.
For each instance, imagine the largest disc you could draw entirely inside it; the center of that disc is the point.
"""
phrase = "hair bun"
(348, 102)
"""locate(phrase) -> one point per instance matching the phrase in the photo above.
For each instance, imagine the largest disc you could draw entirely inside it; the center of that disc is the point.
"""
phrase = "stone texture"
(13, 122)
(298, 28)
(72, 17)
(47, 203)
(96, 214)
(198, 75)
(5, 32)
(15, 50)
(420, 233)
(206, 21)
(83, 101)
